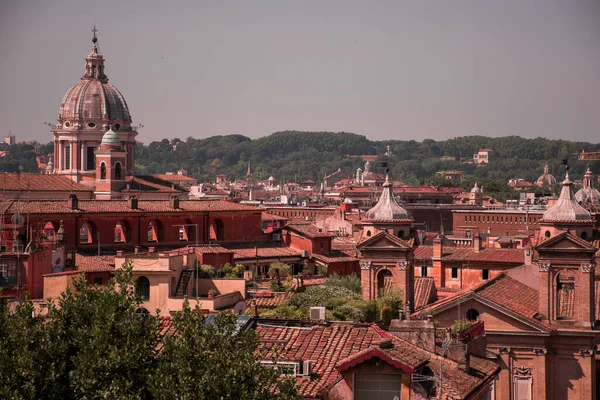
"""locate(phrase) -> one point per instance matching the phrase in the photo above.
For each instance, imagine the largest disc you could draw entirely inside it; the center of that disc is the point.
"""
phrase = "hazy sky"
(386, 69)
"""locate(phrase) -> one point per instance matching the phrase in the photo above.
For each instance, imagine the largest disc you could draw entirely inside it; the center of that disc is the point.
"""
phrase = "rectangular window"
(8, 272)
(98, 280)
(288, 368)
(67, 157)
(91, 159)
(485, 274)
(424, 270)
(522, 388)
(454, 273)
(377, 386)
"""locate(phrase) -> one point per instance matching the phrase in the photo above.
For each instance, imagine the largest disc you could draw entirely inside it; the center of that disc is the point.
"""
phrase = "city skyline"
(413, 70)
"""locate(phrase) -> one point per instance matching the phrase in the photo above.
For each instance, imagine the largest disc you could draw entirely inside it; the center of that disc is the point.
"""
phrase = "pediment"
(383, 240)
(565, 241)
(495, 316)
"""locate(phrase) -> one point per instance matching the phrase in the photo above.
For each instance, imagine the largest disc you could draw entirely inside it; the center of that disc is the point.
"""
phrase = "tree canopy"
(98, 342)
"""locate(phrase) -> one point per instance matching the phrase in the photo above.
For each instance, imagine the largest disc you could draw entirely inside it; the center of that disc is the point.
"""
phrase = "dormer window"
(286, 368)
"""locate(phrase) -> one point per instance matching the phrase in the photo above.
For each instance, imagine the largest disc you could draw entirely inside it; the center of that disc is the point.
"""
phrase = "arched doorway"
(142, 288)
(384, 281)
(219, 229)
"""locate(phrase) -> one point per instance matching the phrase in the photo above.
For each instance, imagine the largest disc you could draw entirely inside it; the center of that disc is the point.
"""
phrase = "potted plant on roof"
(212, 293)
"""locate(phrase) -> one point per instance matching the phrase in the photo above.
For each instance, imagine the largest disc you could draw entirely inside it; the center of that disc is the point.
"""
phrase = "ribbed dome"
(387, 208)
(96, 101)
(110, 137)
(588, 194)
(567, 208)
(93, 102)
(476, 189)
(546, 179)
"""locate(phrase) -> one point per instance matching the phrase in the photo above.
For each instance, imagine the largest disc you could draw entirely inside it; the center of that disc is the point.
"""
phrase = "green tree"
(214, 361)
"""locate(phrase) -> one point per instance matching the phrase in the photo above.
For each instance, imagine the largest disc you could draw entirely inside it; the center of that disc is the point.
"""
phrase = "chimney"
(73, 202)
(437, 249)
(174, 202)
(136, 249)
(132, 202)
(120, 253)
(477, 243)
(151, 249)
(528, 254)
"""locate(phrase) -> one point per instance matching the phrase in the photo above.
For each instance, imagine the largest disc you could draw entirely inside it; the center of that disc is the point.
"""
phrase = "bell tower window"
(118, 171)
(103, 171)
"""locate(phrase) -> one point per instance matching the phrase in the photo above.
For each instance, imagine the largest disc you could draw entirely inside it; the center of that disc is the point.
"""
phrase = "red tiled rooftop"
(308, 230)
(337, 346)
(39, 182)
(262, 250)
(119, 206)
(94, 263)
(488, 255)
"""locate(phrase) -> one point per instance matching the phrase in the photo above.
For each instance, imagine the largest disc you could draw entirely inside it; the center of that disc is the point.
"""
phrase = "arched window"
(142, 288)
(120, 233)
(368, 233)
(85, 234)
(565, 295)
(547, 234)
(584, 235)
(400, 234)
(152, 233)
(219, 229)
(472, 315)
(118, 170)
(102, 171)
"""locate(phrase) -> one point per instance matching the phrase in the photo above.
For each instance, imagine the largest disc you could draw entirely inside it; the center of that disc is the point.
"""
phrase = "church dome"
(110, 137)
(588, 194)
(566, 207)
(546, 179)
(93, 102)
(387, 208)
(476, 189)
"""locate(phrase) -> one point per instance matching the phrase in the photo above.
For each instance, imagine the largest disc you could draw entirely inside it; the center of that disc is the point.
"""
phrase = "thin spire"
(94, 39)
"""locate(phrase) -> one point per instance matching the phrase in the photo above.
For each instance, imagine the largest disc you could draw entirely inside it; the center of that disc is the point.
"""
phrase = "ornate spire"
(566, 207)
(387, 208)
(94, 62)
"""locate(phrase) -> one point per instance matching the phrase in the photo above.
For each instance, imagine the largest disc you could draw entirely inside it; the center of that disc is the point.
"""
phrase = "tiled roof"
(211, 249)
(425, 291)
(343, 243)
(39, 182)
(94, 263)
(308, 230)
(489, 255)
(119, 206)
(263, 250)
(334, 257)
(506, 292)
(336, 347)
(175, 178)
(149, 183)
(269, 302)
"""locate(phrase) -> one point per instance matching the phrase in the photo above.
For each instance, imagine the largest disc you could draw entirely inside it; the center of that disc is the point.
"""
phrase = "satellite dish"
(17, 219)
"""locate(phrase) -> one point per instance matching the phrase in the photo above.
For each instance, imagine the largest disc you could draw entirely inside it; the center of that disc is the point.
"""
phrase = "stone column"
(60, 163)
(83, 165)
(56, 157)
(73, 153)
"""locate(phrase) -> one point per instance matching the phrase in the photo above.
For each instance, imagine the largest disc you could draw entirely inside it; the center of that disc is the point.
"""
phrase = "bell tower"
(110, 167)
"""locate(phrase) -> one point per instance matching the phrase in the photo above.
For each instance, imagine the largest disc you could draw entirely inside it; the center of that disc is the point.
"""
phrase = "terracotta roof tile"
(425, 291)
(94, 263)
(262, 250)
(39, 182)
(120, 206)
(308, 230)
(334, 347)
(489, 255)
